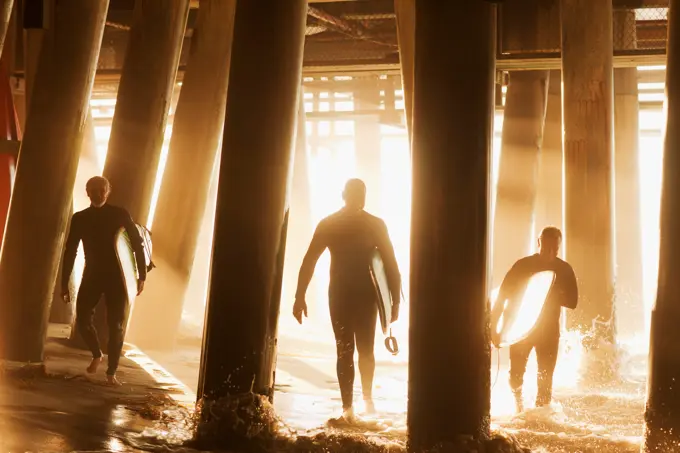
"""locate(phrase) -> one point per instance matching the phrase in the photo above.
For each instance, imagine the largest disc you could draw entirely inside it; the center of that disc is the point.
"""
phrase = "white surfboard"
(520, 314)
(382, 289)
(128, 264)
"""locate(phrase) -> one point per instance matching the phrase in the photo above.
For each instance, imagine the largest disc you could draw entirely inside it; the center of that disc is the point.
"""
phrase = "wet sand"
(69, 410)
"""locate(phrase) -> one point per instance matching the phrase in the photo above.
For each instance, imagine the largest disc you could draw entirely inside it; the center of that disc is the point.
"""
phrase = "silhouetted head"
(98, 190)
(354, 194)
(549, 242)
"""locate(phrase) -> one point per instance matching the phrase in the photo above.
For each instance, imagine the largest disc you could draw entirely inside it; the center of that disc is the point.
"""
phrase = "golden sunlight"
(332, 150)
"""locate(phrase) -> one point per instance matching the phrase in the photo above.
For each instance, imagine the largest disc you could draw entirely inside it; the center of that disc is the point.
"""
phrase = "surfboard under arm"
(127, 264)
(521, 313)
(383, 293)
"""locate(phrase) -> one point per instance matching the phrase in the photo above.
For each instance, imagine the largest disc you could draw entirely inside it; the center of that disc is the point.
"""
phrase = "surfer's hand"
(395, 312)
(299, 309)
(66, 296)
(140, 286)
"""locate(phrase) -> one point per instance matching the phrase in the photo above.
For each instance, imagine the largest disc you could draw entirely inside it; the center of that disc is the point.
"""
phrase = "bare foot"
(370, 407)
(111, 380)
(94, 365)
(348, 415)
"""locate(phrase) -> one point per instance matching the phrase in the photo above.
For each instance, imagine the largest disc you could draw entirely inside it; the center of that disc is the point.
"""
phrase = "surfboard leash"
(391, 341)
(391, 344)
(498, 367)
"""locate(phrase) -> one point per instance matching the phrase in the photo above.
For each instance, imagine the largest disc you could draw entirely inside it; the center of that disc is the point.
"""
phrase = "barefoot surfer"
(545, 337)
(97, 227)
(351, 235)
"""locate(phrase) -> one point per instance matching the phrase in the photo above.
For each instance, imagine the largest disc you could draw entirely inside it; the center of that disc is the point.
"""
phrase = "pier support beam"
(406, 35)
(525, 106)
(37, 21)
(139, 121)
(239, 343)
(630, 305)
(528, 26)
(587, 53)
(367, 143)
(300, 228)
(548, 206)
(38, 213)
(144, 94)
(6, 7)
(662, 417)
(452, 139)
(196, 135)
(10, 140)
(65, 313)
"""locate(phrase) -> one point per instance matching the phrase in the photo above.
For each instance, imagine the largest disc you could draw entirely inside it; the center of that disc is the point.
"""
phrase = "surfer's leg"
(89, 294)
(547, 349)
(365, 323)
(116, 318)
(519, 356)
(341, 319)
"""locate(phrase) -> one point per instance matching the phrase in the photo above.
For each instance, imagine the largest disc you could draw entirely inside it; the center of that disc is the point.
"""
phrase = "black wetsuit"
(97, 228)
(546, 335)
(352, 237)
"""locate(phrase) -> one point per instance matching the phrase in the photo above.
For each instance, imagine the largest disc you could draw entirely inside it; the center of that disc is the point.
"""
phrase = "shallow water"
(580, 420)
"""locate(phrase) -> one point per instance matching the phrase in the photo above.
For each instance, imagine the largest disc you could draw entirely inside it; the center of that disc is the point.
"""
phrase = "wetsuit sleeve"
(386, 250)
(137, 244)
(569, 296)
(316, 248)
(70, 251)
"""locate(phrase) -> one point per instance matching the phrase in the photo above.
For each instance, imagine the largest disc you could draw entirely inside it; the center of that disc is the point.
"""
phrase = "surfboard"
(128, 264)
(520, 314)
(382, 289)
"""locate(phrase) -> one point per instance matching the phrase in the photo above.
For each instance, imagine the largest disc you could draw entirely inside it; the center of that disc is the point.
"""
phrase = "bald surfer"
(97, 227)
(545, 336)
(352, 235)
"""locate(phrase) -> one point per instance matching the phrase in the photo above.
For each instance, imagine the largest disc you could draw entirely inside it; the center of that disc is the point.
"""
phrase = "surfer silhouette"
(97, 227)
(545, 336)
(352, 235)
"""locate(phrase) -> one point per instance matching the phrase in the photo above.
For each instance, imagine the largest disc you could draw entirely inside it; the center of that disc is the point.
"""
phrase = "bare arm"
(70, 252)
(316, 248)
(137, 245)
(386, 250)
